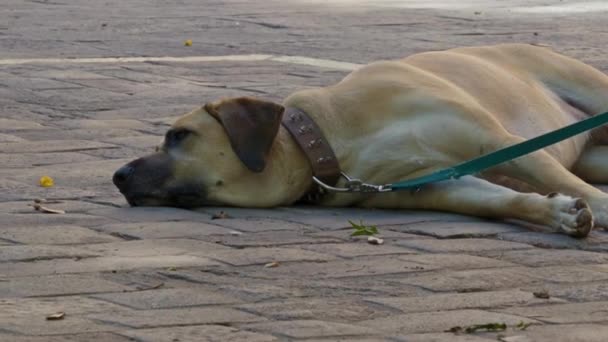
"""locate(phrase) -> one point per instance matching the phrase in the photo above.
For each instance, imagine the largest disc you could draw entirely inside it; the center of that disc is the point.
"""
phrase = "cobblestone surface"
(163, 274)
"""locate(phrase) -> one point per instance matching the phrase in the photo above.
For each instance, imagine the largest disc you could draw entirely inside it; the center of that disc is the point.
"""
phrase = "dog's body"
(394, 120)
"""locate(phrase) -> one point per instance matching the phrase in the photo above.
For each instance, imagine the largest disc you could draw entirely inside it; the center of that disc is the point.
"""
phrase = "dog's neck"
(290, 170)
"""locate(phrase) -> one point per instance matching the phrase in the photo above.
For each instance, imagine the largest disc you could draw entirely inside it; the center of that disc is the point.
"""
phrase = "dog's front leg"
(473, 196)
(546, 174)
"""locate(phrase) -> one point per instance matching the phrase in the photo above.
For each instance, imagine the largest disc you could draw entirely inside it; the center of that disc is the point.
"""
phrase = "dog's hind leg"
(592, 166)
(474, 196)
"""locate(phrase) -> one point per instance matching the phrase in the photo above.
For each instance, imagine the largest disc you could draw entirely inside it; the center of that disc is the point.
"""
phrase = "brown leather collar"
(309, 137)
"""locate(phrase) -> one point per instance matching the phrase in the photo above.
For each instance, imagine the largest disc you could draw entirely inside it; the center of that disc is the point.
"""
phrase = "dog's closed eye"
(174, 137)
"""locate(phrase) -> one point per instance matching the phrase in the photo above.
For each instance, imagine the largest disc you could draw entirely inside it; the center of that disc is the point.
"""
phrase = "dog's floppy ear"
(251, 125)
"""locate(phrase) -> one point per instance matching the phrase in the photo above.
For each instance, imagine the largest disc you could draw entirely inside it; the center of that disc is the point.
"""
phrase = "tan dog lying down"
(394, 120)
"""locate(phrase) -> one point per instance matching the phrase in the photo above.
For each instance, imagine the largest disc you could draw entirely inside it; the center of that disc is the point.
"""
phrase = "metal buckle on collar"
(354, 185)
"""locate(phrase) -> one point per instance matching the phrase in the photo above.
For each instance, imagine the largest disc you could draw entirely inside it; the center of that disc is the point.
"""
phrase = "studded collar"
(309, 137)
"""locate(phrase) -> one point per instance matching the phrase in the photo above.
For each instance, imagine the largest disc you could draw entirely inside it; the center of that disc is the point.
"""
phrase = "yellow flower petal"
(188, 42)
(46, 182)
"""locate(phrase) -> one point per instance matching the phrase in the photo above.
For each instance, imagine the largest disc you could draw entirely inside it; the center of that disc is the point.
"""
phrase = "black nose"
(122, 175)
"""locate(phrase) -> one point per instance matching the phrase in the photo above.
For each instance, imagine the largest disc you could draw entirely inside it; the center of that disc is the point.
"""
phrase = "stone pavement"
(163, 274)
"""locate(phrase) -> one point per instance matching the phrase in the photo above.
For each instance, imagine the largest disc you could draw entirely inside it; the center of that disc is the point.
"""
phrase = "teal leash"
(476, 165)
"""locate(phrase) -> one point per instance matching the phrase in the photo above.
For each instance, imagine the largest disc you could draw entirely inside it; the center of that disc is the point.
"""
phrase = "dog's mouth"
(185, 196)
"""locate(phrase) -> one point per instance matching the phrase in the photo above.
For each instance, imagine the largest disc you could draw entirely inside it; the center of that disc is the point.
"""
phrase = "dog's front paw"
(574, 216)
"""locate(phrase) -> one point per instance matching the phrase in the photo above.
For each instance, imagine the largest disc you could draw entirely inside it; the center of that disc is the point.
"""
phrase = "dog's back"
(527, 90)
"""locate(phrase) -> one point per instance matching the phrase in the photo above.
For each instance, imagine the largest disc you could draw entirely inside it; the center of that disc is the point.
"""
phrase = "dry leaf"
(220, 215)
(188, 42)
(46, 182)
(46, 210)
(43, 200)
(272, 264)
(56, 316)
(544, 294)
(374, 240)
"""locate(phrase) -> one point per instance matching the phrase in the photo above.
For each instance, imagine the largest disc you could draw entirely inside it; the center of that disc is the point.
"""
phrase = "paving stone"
(29, 190)
(101, 134)
(69, 206)
(575, 292)
(325, 309)
(160, 247)
(41, 307)
(454, 261)
(450, 228)
(120, 86)
(350, 338)
(168, 298)
(562, 332)
(262, 255)
(246, 213)
(261, 225)
(104, 124)
(142, 141)
(371, 266)
(56, 284)
(375, 266)
(440, 321)
(67, 74)
(51, 235)
(145, 110)
(549, 257)
(356, 249)
(145, 279)
(84, 337)
(565, 274)
(471, 280)
(25, 207)
(564, 313)
(38, 84)
(101, 264)
(39, 219)
(5, 138)
(84, 175)
(169, 317)
(462, 245)
(254, 289)
(596, 241)
(52, 146)
(310, 328)
(16, 125)
(338, 217)
(162, 230)
(601, 268)
(150, 214)
(441, 337)
(41, 326)
(452, 301)
(124, 152)
(201, 333)
(387, 235)
(269, 238)
(41, 252)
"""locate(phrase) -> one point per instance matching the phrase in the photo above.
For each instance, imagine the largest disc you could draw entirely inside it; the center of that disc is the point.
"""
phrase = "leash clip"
(353, 185)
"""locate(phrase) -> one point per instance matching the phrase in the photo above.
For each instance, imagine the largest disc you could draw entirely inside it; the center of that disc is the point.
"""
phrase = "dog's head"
(212, 155)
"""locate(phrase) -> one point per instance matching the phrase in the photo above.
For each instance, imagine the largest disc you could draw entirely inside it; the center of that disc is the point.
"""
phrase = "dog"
(395, 120)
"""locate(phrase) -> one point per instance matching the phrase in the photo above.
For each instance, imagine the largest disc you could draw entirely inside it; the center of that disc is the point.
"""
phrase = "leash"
(475, 165)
